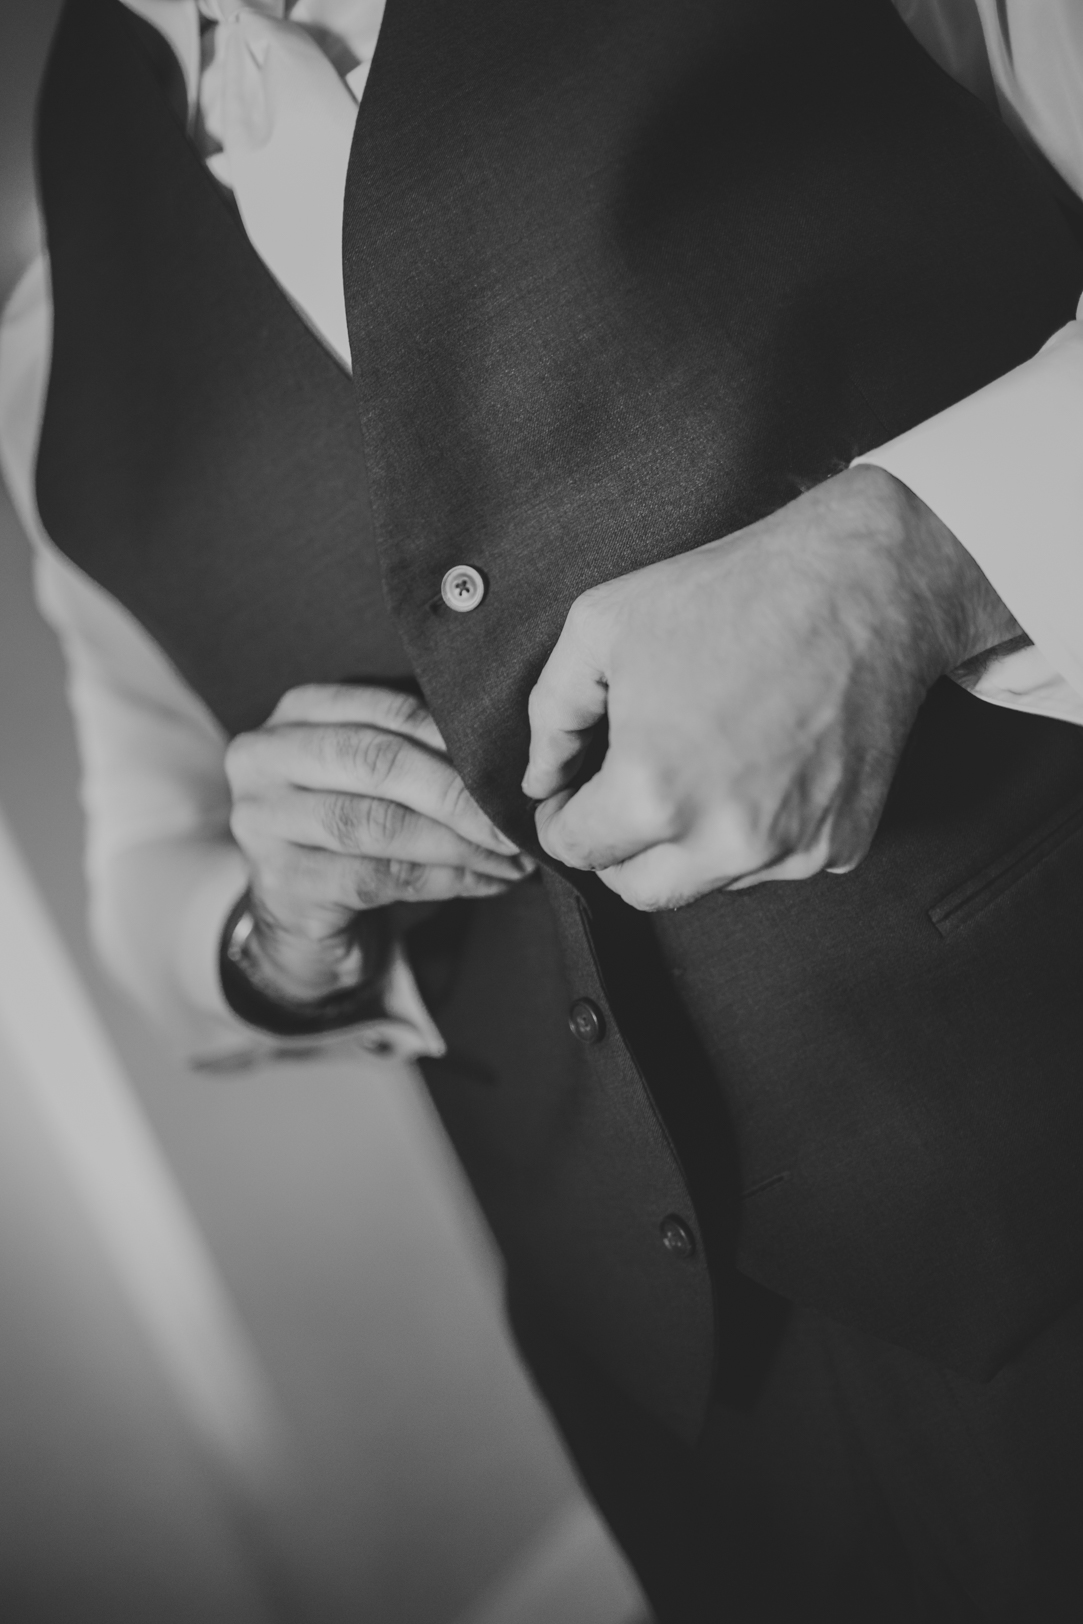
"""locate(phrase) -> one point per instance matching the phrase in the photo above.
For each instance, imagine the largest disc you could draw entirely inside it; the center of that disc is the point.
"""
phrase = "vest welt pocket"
(970, 899)
(761, 1186)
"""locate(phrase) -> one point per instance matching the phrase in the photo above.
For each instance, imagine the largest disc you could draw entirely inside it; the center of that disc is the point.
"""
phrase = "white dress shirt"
(1004, 470)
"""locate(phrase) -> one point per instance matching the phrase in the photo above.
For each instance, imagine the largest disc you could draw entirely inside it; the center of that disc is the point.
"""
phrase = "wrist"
(952, 595)
(299, 970)
(302, 998)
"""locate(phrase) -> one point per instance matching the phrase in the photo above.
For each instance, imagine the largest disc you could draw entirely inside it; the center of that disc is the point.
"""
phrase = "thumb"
(567, 701)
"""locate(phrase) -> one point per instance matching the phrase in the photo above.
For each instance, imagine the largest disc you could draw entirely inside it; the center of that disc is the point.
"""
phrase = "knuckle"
(743, 845)
(595, 610)
(648, 789)
(239, 757)
(339, 819)
(845, 860)
(555, 839)
(802, 865)
(662, 810)
(468, 883)
(585, 607)
(295, 702)
(380, 822)
(572, 847)
(647, 901)
(376, 754)
(456, 802)
(645, 895)
(638, 897)
(407, 879)
(369, 885)
(406, 710)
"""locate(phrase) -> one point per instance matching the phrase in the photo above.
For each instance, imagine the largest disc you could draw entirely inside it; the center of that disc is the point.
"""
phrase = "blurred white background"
(252, 1364)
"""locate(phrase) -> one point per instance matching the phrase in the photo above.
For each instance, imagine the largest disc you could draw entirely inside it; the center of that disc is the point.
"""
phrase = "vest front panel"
(621, 279)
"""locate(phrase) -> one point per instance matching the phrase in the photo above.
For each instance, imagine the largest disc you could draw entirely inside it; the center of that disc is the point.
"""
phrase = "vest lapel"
(200, 455)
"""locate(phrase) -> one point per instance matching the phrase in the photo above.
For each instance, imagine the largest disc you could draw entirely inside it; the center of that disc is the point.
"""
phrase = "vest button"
(586, 1021)
(462, 588)
(677, 1238)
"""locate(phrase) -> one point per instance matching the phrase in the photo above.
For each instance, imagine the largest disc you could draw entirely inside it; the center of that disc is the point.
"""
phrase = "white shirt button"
(462, 588)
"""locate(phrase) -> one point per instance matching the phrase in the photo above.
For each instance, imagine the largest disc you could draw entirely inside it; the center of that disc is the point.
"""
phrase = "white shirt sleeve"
(1004, 470)
(162, 868)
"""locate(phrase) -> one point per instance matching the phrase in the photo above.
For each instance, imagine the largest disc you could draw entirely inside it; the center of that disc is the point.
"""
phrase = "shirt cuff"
(1003, 469)
(401, 1027)
(395, 1023)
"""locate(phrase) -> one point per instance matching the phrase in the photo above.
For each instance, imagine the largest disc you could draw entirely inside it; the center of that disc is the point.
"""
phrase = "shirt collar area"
(345, 30)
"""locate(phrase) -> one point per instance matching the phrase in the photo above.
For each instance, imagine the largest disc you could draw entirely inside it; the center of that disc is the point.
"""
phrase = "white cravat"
(284, 115)
(1028, 52)
(1036, 56)
(285, 120)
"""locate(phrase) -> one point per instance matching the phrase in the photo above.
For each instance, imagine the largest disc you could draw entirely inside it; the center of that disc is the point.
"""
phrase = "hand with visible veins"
(344, 802)
(758, 693)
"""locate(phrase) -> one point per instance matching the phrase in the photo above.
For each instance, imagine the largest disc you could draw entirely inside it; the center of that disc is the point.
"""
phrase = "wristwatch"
(250, 993)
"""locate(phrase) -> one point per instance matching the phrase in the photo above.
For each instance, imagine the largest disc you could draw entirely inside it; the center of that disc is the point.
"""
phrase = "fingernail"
(503, 842)
(525, 863)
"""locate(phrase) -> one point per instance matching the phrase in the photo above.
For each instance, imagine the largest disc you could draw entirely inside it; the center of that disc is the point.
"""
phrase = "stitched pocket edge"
(970, 899)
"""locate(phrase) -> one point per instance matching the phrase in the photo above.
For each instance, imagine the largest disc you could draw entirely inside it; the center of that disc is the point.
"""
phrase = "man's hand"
(345, 801)
(758, 692)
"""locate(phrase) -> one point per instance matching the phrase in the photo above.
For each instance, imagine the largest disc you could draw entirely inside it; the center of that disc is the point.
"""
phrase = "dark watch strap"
(349, 1007)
